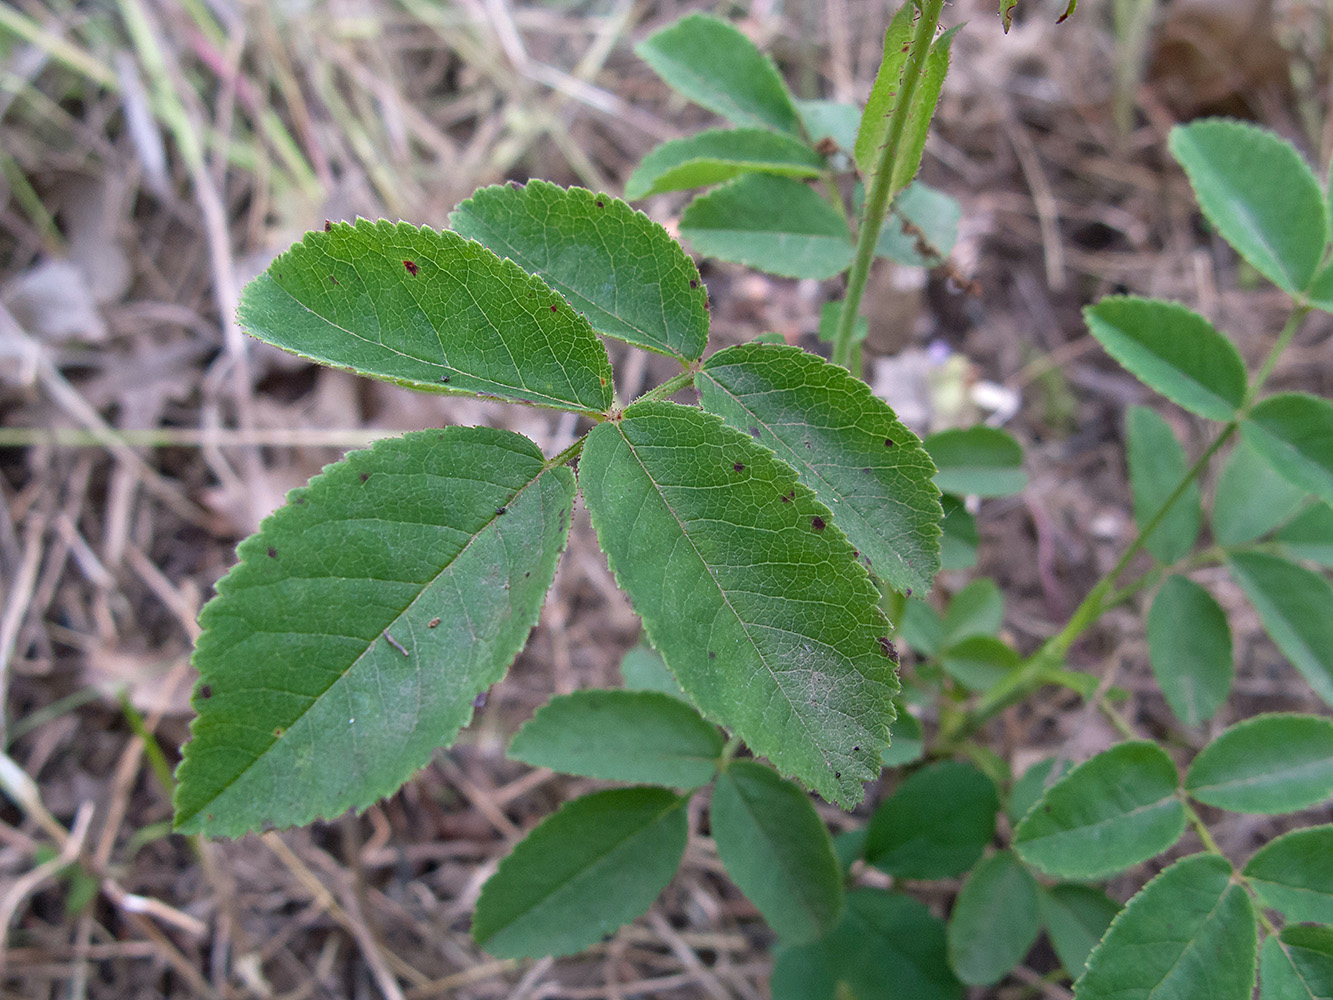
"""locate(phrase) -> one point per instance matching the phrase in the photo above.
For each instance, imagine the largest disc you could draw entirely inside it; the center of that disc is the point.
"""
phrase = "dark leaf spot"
(907, 592)
(837, 774)
(887, 648)
(712, 655)
(739, 466)
(527, 574)
(444, 379)
(272, 552)
(867, 470)
(479, 700)
(555, 308)
(333, 279)
(206, 691)
(789, 497)
(693, 283)
(433, 623)
(600, 205)
(817, 523)
(328, 225)
(278, 732)
(411, 266)
(888, 442)
(754, 432)
(298, 500)
(856, 553)
(365, 476)
(856, 749)
(500, 510)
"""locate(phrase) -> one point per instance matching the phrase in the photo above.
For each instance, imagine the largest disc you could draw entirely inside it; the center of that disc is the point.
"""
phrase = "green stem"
(1283, 339)
(668, 388)
(881, 182)
(568, 455)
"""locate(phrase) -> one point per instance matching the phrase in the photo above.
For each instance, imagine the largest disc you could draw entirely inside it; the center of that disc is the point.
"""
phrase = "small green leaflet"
(980, 461)
(922, 227)
(1157, 465)
(1260, 194)
(630, 736)
(1272, 764)
(1296, 607)
(1294, 874)
(713, 64)
(777, 849)
(936, 824)
(1298, 964)
(1188, 933)
(1173, 350)
(582, 872)
(736, 569)
(616, 266)
(1294, 431)
(362, 620)
(1110, 812)
(844, 443)
(995, 920)
(1189, 647)
(874, 129)
(718, 155)
(775, 224)
(1076, 918)
(429, 310)
(1250, 500)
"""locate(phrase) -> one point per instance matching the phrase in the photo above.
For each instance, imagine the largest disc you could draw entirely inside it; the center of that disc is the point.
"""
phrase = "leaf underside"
(361, 622)
(429, 310)
(747, 589)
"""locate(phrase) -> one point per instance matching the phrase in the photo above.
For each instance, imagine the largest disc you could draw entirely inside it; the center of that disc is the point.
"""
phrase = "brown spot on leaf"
(789, 497)
(600, 205)
(206, 691)
(500, 510)
(333, 279)
(738, 466)
(907, 592)
(754, 432)
(279, 732)
(555, 308)
(411, 266)
(272, 552)
(817, 523)
(365, 476)
(328, 225)
(887, 648)
(837, 774)
(693, 283)
(888, 442)
(712, 655)
(444, 379)
(433, 623)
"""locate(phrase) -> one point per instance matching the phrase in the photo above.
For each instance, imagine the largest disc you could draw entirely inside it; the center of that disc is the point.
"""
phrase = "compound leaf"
(616, 266)
(630, 736)
(1294, 874)
(1189, 647)
(777, 850)
(1294, 431)
(747, 589)
(717, 155)
(1296, 607)
(1273, 763)
(1076, 918)
(582, 872)
(1260, 194)
(1188, 933)
(775, 224)
(995, 920)
(936, 824)
(362, 620)
(429, 310)
(977, 461)
(713, 64)
(844, 443)
(1157, 464)
(1110, 812)
(1172, 350)
(1297, 964)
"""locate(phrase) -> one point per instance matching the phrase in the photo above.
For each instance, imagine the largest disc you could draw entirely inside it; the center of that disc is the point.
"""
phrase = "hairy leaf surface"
(747, 589)
(844, 443)
(616, 266)
(429, 310)
(362, 620)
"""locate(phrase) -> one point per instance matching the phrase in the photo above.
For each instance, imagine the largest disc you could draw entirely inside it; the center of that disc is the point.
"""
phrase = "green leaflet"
(714, 65)
(1274, 763)
(429, 310)
(1076, 918)
(718, 155)
(920, 218)
(1250, 500)
(995, 920)
(630, 736)
(1157, 464)
(1189, 647)
(1260, 194)
(1309, 535)
(844, 443)
(1296, 607)
(642, 669)
(1172, 350)
(1298, 964)
(582, 872)
(616, 266)
(747, 589)
(1294, 874)
(775, 224)
(874, 130)
(777, 849)
(936, 824)
(1110, 812)
(362, 620)
(1188, 933)
(961, 538)
(1294, 431)
(976, 610)
(980, 461)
